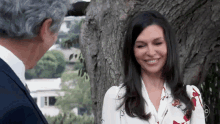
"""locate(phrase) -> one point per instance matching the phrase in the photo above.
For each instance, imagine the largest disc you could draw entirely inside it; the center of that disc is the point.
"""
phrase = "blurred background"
(60, 84)
(55, 82)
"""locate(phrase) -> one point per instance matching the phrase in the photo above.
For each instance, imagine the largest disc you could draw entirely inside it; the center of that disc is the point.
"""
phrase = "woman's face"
(150, 49)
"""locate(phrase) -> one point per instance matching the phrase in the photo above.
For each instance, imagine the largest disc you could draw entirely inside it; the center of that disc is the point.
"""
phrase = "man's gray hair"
(22, 19)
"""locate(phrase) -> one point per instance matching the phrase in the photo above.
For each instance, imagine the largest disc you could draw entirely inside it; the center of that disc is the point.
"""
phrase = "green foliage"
(75, 27)
(29, 74)
(76, 86)
(77, 89)
(73, 35)
(69, 76)
(46, 66)
(63, 43)
(61, 63)
(51, 65)
(210, 93)
(78, 65)
(77, 93)
(82, 70)
(70, 118)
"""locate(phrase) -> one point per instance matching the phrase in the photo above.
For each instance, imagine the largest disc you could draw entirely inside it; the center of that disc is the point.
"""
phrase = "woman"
(153, 91)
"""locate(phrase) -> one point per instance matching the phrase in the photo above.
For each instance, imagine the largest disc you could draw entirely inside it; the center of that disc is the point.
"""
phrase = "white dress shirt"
(169, 111)
(14, 62)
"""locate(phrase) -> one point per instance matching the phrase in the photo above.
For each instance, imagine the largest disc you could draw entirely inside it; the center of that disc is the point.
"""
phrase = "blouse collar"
(165, 98)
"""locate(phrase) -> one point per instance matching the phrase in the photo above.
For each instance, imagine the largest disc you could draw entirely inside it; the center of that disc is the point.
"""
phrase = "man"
(28, 28)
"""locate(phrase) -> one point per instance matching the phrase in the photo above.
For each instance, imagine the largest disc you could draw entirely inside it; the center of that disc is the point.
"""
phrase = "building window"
(45, 101)
(49, 100)
(52, 101)
(35, 100)
(81, 111)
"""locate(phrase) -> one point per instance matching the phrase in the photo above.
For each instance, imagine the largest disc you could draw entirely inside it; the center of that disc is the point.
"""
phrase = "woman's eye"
(140, 46)
(158, 43)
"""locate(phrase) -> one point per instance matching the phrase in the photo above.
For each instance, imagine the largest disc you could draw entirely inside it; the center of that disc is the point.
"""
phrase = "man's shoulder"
(5, 70)
(18, 113)
(3, 64)
(10, 92)
(5, 79)
(9, 79)
(14, 105)
(12, 96)
(7, 82)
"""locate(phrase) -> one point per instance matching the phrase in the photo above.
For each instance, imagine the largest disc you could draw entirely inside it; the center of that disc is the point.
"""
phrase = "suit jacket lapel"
(6, 68)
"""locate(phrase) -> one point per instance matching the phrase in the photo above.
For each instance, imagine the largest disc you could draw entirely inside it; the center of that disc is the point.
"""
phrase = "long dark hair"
(133, 98)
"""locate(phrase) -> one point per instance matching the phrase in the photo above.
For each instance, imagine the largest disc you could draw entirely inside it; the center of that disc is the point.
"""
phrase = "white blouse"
(169, 111)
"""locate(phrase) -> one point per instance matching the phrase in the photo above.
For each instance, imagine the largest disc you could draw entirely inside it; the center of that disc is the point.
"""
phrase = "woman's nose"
(150, 51)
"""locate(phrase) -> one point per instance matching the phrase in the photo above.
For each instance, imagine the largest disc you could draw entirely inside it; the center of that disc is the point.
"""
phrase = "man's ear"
(45, 33)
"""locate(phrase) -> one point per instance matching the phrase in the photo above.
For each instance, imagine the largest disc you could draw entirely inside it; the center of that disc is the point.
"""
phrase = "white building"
(44, 91)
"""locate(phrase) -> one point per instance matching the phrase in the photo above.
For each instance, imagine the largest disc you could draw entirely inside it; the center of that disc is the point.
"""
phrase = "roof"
(44, 84)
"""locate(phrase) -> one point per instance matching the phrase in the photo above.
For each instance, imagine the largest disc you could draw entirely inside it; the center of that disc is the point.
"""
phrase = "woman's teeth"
(152, 61)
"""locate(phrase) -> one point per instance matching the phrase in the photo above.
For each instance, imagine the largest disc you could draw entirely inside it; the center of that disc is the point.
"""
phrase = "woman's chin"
(152, 71)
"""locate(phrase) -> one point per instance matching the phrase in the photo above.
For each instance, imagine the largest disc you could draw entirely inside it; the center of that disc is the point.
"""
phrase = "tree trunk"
(197, 26)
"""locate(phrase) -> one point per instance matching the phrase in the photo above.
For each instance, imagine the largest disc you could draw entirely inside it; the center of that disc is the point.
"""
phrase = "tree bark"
(197, 26)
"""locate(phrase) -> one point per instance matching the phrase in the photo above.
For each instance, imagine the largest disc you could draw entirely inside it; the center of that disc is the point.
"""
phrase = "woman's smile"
(150, 49)
(152, 61)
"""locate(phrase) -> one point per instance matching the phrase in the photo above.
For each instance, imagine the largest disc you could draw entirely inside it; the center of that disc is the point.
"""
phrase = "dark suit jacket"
(16, 104)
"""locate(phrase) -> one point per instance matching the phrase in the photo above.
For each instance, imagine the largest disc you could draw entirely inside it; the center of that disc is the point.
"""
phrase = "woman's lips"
(152, 61)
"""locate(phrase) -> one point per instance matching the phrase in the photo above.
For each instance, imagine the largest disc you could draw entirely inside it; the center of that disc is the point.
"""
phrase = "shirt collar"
(166, 93)
(14, 62)
(149, 105)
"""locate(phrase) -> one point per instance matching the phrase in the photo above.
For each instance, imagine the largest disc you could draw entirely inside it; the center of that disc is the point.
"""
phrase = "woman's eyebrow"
(159, 38)
(139, 41)
(156, 39)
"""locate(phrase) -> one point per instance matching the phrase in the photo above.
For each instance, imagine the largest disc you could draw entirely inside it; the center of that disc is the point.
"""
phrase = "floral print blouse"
(169, 111)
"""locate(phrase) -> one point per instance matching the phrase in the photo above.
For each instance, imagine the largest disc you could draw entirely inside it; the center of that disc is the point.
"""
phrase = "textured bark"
(196, 22)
